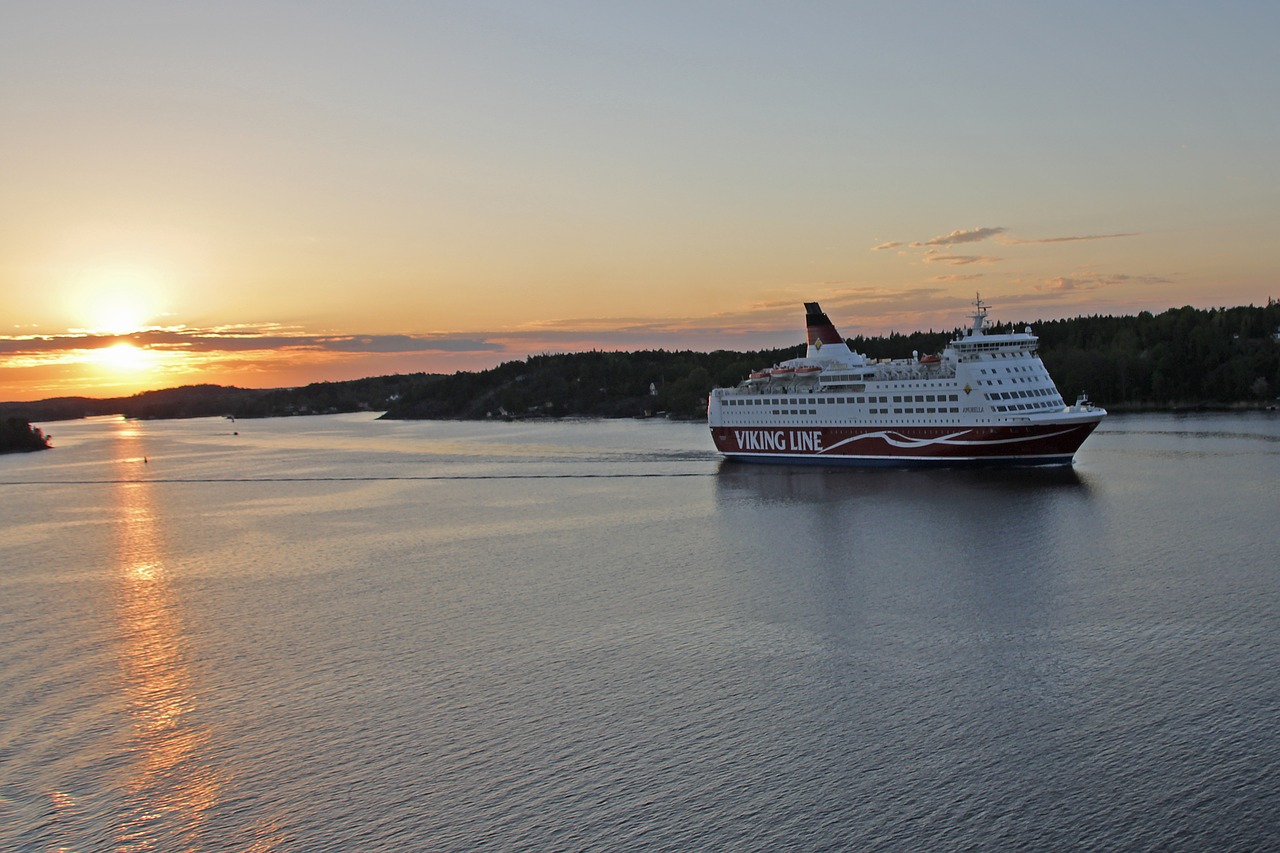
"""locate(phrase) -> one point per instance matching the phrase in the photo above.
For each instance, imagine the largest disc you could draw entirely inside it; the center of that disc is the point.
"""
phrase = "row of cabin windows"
(1011, 395)
(1023, 352)
(784, 401)
(927, 398)
(1023, 407)
(919, 410)
(1015, 370)
(869, 411)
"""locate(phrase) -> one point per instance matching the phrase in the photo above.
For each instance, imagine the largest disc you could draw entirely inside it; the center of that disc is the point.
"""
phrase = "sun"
(124, 357)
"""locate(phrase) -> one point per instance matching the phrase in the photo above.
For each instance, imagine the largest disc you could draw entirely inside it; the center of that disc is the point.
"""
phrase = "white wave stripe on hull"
(897, 439)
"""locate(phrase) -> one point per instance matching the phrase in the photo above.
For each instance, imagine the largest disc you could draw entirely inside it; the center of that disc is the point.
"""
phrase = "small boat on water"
(987, 399)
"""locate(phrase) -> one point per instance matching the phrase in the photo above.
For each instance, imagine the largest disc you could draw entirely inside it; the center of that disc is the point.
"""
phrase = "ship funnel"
(825, 343)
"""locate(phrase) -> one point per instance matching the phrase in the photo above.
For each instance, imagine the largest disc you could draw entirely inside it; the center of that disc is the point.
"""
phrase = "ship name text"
(779, 439)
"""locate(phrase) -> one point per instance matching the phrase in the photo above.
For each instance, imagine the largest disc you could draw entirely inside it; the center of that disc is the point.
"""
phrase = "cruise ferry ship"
(985, 400)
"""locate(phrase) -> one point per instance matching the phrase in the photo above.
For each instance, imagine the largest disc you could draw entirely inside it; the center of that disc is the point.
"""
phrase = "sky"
(267, 194)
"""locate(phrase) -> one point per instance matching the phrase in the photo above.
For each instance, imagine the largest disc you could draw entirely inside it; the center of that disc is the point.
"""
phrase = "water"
(338, 633)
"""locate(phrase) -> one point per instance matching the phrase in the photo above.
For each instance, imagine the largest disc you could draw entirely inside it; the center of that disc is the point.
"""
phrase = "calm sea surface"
(337, 633)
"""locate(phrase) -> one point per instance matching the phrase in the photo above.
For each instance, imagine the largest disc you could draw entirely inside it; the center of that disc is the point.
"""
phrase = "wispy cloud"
(974, 235)
(1093, 281)
(242, 339)
(959, 260)
(892, 244)
(1011, 241)
(968, 277)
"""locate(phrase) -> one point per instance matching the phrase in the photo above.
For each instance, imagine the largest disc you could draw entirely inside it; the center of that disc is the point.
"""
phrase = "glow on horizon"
(402, 188)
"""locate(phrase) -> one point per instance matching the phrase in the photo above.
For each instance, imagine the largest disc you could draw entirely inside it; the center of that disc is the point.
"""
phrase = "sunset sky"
(273, 193)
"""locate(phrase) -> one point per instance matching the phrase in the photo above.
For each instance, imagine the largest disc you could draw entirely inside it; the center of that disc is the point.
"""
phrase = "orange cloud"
(960, 260)
(1093, 281)
(975, 235)
(1010, 241)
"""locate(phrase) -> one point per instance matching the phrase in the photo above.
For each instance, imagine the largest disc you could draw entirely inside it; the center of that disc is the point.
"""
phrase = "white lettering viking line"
(803, 440)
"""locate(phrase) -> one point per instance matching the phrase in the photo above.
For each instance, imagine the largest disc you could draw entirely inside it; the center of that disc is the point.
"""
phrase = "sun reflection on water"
(173, 787)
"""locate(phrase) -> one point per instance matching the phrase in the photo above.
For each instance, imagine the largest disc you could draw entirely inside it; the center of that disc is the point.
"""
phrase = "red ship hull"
(1004, 444)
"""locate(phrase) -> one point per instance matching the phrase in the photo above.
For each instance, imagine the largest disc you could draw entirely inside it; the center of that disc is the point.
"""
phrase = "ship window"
(895, 411)
(954, 397)
(932, 410)
(897, 399)
(884, 399)
(928, 398)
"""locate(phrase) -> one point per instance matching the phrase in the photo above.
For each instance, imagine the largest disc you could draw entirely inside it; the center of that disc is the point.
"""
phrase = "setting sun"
(125, 357)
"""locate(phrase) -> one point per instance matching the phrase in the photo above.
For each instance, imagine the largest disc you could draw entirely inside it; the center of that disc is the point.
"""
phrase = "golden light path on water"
(173, 785)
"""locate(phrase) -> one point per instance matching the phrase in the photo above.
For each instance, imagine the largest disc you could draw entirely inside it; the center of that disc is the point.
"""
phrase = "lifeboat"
(782, 373)
(758, 376)
(807, 371)
(930, 359)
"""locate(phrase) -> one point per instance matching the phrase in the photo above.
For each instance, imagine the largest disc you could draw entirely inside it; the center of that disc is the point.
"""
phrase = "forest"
(16, 435)
(1180, 358)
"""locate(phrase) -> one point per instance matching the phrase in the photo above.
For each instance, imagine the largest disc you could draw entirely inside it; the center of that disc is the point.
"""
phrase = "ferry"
(986, 399)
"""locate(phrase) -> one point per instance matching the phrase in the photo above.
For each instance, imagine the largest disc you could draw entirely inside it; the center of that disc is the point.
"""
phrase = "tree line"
(16, 435)
(1181, 357)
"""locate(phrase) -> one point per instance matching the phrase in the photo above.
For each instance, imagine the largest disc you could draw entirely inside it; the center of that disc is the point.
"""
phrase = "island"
(18, 436)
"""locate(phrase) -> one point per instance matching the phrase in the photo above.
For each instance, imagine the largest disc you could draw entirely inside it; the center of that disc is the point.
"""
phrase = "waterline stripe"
(355, 479)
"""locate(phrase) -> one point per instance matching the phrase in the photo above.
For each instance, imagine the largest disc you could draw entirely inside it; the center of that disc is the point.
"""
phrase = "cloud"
(969, 277)
(1010, 241)
(959, 260)
(242, 339)
(893, 244)
(1093, 281)
(975, 235)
